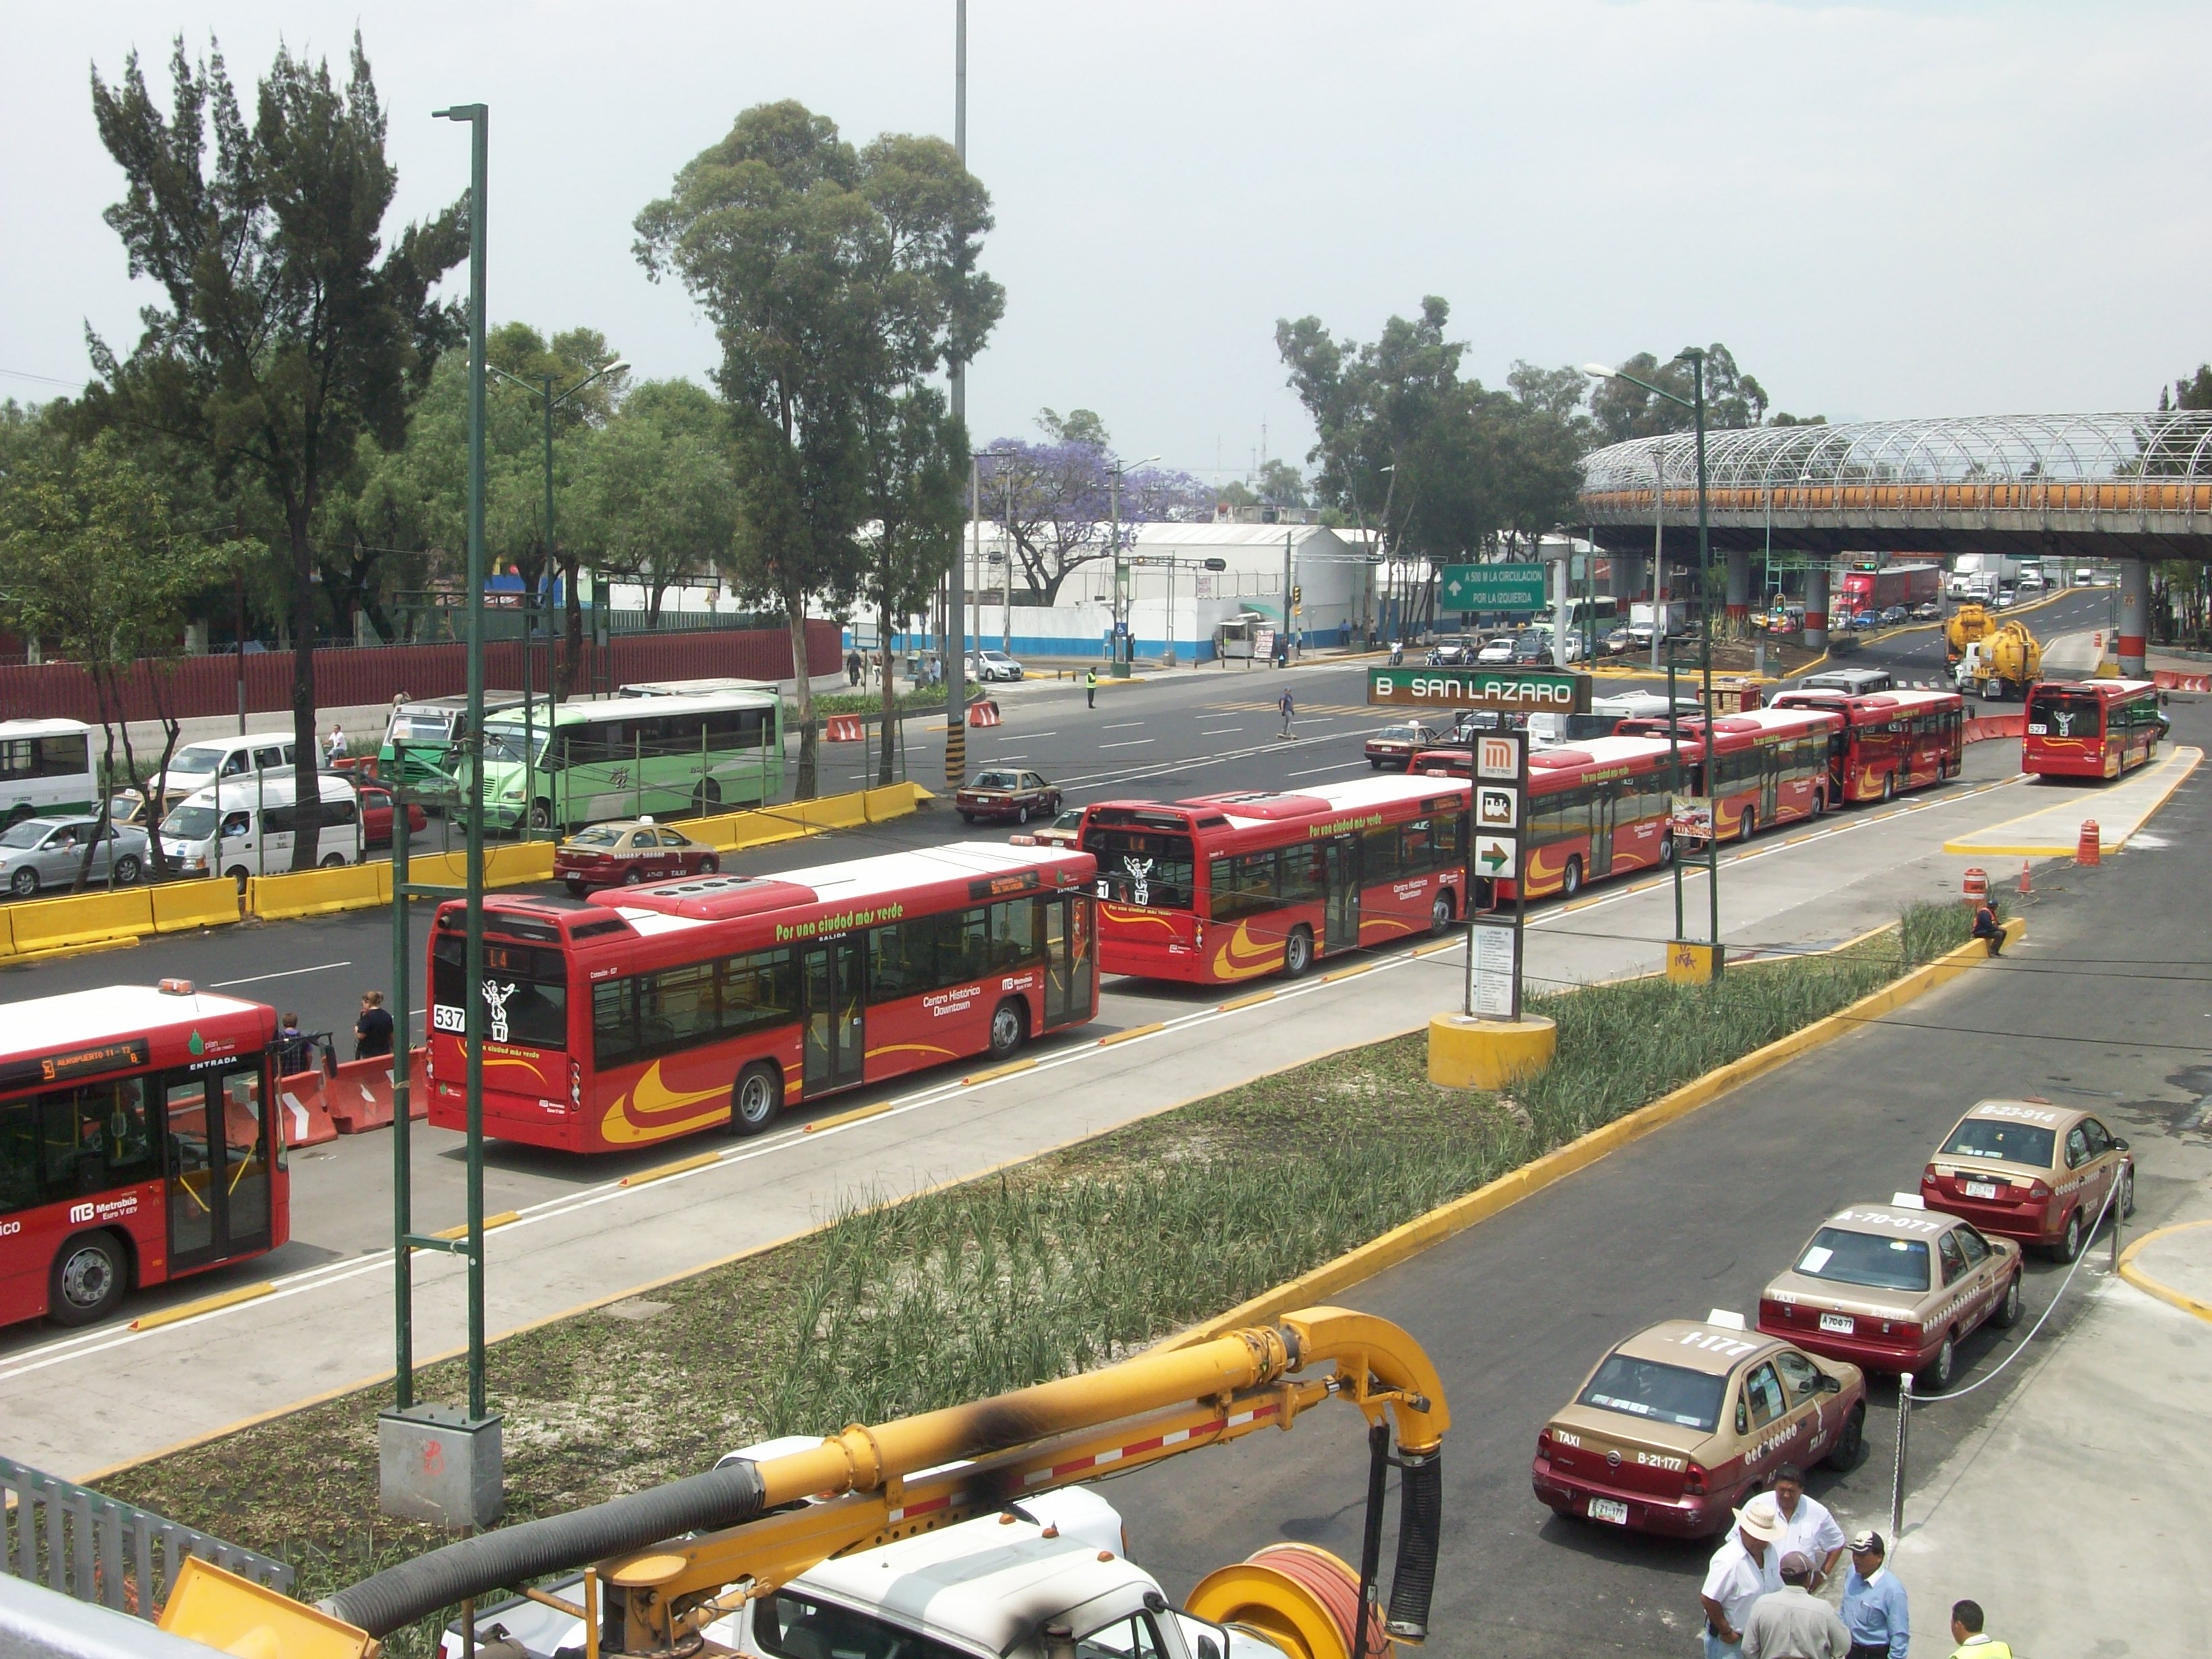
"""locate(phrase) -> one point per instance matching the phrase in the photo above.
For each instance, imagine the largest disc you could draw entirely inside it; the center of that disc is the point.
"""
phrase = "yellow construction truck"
(2001, 664)
(1968, 622)
(948, 1535)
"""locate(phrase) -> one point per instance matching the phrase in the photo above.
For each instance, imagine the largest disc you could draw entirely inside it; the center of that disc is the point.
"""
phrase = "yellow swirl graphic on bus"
(650, 1110)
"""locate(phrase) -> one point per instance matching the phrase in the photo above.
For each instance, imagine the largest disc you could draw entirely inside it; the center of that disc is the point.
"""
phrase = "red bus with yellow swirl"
(1222, 888)
(711, 1001)
(2092, 729)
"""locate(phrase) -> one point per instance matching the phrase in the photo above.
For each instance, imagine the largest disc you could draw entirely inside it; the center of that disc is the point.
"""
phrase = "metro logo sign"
(1512, 690)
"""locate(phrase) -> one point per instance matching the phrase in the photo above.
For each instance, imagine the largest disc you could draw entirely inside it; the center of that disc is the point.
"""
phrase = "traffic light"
(1296, 594)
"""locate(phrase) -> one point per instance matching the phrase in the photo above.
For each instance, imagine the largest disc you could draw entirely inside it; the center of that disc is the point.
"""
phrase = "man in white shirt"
(1746, 1565)
(1809, 1529)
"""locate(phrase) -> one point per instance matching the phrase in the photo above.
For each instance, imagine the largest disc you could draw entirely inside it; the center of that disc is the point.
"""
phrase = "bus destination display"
(121, 1055)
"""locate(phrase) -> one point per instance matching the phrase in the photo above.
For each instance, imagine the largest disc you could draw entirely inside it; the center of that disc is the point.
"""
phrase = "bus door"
(834, 1051)
(217, 1162)
(1604, 818)
(1770, 781)
(1340, 893)
(1066, 958)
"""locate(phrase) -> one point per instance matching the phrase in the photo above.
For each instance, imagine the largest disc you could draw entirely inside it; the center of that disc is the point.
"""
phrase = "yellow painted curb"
(1251, 1001)
(1403, 1243)
(998, 1071)
(662, 1171)
(853, 1117)
(1132, 1034)
(205, 1304)
(2142, 1281)
(505, 1217)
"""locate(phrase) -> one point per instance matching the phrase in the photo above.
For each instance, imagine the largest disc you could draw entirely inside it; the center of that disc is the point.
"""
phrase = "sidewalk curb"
(2142, 1281)
(1403, 1243)
(2183, 762)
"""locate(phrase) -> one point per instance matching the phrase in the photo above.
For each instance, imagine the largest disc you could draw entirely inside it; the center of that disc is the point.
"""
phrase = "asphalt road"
(2104, 1005)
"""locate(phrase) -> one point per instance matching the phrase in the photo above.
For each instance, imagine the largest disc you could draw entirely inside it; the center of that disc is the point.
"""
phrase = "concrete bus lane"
(583, 1238)
(2101, 1006)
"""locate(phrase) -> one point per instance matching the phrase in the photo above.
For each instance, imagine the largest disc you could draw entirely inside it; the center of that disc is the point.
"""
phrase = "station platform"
(2120, 809)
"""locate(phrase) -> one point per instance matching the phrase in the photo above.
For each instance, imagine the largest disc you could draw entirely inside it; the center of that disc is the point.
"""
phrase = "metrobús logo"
(105, 1210)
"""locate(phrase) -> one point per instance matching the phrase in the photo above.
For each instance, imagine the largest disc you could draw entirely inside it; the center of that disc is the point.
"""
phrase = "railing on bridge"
(99, 1549)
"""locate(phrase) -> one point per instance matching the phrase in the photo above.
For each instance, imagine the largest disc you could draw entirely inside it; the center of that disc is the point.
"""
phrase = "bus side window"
(19, 1154)
(1380, 856)
(1014, 932)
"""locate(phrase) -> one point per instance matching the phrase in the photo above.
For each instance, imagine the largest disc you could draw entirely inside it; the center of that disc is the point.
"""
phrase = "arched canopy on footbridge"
(2076, 486)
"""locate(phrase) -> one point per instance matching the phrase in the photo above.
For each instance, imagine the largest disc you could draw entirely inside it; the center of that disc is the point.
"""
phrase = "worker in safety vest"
(1090, 688)
(1966, 1631)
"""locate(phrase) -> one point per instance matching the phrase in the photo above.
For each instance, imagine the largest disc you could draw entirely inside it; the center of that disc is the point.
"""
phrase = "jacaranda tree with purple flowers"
(1057, 498)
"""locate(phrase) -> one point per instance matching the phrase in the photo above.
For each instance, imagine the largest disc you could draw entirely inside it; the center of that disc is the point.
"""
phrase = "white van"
(46, 766)
(244, 827)
(198, 766)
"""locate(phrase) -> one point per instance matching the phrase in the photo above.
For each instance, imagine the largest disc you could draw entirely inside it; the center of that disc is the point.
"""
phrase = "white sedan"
(1497, 653)
(988, 666)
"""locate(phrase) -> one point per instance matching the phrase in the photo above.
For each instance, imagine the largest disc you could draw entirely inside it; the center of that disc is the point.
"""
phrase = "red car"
(1004, 793)
(628, 852)
(376, 809)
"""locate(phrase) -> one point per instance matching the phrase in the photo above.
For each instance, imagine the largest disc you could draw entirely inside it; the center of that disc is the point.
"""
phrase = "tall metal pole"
(1706, 648)
(1658, 545)
(403, 1100)
(472, 976)
(1122, 572)
(956, 606)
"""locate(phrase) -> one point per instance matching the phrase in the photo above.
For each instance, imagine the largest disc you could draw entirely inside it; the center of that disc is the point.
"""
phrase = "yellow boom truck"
(935, 1536)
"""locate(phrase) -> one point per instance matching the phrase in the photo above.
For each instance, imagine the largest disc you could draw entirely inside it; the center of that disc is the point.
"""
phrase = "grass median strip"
(1065, 1262)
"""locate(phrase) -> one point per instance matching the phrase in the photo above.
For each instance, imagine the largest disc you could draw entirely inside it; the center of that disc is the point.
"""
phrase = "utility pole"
(956, 607)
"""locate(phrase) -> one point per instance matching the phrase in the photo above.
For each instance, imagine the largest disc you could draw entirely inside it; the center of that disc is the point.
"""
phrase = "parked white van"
(198, 766)
(245, 827)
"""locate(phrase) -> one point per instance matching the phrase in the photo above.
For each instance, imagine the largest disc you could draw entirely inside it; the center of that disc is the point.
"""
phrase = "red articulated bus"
(2090, 729)
(1891, 741)
(1771, 766)
(1223, 888)
(706, 1002)
(136, 1145)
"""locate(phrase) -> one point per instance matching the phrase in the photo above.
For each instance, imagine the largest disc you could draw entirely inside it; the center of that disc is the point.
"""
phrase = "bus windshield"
(422, 726)
(190, 823)
(504, 745)
(2065, 714)
(1142, 867)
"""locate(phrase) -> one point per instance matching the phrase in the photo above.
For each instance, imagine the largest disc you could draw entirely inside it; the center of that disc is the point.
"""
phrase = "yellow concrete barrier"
(1465, 1053)
(58, 924)
(319, 892)
(440, 869)
(6, 935)
(181, 904)
(893, 800)
(513, 866)
(833, 811)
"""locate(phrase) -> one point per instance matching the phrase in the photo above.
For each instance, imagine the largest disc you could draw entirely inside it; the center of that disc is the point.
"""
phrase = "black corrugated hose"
(1420, 1530)
(513, 1555)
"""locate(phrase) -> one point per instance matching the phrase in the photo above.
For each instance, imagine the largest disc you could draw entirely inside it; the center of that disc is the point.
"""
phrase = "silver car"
(39, 853)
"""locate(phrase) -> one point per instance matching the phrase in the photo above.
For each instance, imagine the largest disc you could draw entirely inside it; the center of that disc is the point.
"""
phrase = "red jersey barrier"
(2167, 680)
(303, 1116)
(844, 728)
(1989, 726)
(983, 714)
(360, 1096)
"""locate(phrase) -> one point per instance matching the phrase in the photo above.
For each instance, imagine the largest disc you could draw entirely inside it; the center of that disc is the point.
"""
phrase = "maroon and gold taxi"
(2031, 1171)
(1393, 747)
(1681, 1424)
(1894, 1287)
(628, 852)
(1443, 763)
(1006, 793)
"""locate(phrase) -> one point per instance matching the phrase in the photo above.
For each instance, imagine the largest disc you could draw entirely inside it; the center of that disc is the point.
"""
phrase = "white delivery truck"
(1982, 576)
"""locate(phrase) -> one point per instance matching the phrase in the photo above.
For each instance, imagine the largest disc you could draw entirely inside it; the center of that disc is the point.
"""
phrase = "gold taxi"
(2031, 1171)
(1679, 1425)
(1895, 1287)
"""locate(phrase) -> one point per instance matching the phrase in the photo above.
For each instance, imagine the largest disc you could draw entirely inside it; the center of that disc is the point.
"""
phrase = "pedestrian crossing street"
(1315, 709)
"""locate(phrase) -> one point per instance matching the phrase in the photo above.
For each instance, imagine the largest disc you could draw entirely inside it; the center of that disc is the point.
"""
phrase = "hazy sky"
(1884, 210)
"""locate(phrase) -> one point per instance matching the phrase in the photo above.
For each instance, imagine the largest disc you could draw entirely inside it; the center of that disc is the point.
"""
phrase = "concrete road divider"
(1985, 727)
(60, 924)
(359, 1097)
(179, 905)
(319, 892)
(2167, 680)
(303, 1114)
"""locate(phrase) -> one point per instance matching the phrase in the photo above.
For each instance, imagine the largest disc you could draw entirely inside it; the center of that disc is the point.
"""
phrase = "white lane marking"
(257, 979)
(1018, 754)
(1341, 766)
(1128, 742)
(1121, 725)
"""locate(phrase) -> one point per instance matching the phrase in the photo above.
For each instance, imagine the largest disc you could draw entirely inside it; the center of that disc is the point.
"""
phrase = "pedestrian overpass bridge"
(2133, 487)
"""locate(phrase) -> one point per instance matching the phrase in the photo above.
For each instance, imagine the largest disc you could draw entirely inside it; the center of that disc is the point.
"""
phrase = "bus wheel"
(541, 814)
(1666, 847)
(758, 1097)
(1440, 912)
(706, 798)
(1010, 1027)
(1889, 788)
(1297, 950)
(89, 1280)
(1750, 824)
(334, 861)
(1571, 878)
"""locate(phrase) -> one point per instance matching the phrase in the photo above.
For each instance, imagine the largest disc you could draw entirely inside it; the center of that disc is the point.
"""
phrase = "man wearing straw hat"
(1746, 1566)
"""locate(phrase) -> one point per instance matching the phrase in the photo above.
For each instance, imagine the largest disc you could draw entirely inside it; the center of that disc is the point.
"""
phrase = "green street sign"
(1494, 588)
(1515, 691)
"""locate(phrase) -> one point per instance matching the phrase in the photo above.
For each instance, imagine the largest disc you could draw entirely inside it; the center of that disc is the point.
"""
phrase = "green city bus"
(424, 736)
(624, 757)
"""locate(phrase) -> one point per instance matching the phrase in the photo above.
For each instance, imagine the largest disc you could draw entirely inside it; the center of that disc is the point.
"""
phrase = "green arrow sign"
(1494, 587)
(1494, 857)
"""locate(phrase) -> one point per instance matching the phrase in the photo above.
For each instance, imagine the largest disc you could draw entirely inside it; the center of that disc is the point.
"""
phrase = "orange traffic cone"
(2026, 882)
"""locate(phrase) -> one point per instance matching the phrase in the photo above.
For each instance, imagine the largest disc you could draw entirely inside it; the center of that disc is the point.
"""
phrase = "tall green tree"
(656, 500)
(836, 278)
(1732, 399)
(94, 563)
(289, 333)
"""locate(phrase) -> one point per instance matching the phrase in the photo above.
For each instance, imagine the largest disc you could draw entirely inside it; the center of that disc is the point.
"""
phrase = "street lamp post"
(549, 403)
(1696, 405)
(1122, 643)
